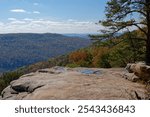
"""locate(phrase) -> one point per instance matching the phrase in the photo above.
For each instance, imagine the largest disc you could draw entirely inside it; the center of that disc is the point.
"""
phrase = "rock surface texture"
(74, 83)
(138, 71)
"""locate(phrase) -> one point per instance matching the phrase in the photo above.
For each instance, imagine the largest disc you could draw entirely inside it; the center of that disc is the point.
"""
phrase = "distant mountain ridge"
(22, 49)
(86, 36)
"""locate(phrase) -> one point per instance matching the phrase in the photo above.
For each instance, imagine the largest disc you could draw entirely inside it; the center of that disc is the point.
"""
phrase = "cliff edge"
(61, 83)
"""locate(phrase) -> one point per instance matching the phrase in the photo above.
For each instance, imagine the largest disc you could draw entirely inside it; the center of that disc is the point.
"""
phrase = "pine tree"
(121, 15)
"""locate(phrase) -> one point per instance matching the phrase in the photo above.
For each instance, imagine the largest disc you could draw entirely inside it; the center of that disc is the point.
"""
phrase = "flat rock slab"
(77, 83)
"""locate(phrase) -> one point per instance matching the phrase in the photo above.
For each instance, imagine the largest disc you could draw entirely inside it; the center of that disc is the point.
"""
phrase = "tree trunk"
(148, 33)
(148, 50)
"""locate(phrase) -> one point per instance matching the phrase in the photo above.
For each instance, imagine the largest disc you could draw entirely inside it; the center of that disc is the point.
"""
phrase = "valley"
(21, 49)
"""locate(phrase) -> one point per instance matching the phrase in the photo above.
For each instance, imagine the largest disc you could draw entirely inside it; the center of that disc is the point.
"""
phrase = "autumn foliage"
(92, 57)
(116, 52)
(80, 58)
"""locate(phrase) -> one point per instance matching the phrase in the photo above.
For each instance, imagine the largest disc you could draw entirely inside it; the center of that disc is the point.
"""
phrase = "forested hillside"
(17, 50)
(114, 52)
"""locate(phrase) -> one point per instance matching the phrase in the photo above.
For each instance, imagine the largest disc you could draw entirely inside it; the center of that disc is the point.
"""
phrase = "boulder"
(131, 77)
(141, 70)
(8, 93)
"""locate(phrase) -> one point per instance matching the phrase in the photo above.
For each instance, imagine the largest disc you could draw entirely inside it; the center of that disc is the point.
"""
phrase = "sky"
(51, 16)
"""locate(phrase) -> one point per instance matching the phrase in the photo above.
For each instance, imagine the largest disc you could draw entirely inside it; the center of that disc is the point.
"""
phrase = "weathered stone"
(7, 93)
(26, 85)
(141, 70)
(73, 84)
(131, 77)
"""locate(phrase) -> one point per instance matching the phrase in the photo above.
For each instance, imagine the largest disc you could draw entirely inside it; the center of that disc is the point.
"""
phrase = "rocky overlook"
(74, 83)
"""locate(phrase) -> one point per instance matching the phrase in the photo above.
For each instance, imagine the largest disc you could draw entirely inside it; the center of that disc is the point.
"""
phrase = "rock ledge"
(62, 83)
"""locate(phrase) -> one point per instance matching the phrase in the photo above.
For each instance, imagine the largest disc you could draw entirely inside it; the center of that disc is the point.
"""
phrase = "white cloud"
(36, 12)
(1, 24)
(24, 11)
(17, 22)
(12, 19)
(42, 26)
(35, 4)
(27, 19)
(18, 10)
(71, 20)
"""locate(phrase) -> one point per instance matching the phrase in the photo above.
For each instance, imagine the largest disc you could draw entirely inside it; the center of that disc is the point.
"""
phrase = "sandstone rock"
(7, 93)
(131, 77)
(140, 70)
(67, 83)
(55, 70)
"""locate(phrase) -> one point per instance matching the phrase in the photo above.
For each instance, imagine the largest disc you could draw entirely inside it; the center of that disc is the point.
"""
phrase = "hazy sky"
(55, 16)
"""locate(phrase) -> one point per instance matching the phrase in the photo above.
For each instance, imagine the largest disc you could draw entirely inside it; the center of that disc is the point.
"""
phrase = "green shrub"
(6, 78)
(104, 63)
(2, 84)
(72, 65)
